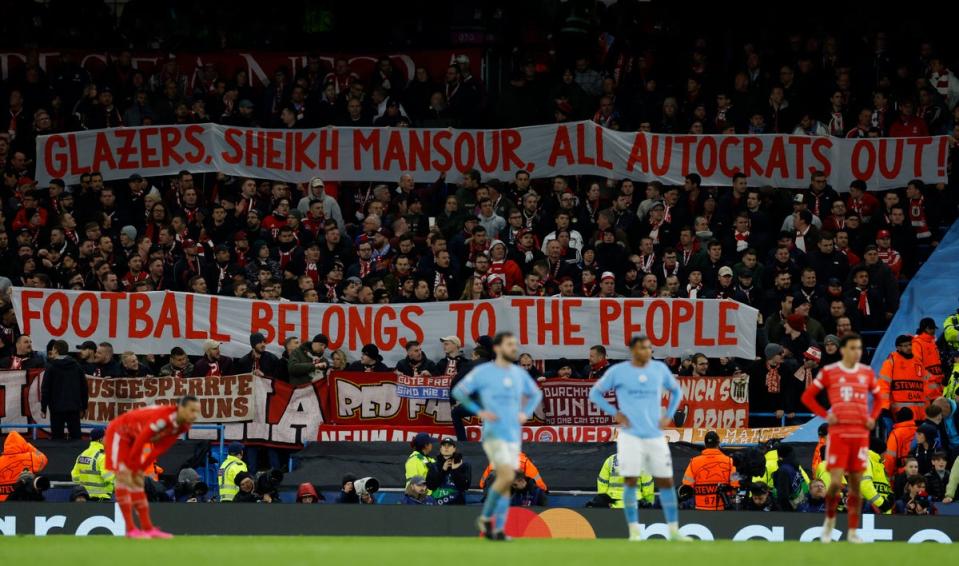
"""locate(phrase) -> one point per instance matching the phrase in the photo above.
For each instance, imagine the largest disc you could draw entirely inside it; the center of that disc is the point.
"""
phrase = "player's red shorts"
(116, 446)
(849, 454)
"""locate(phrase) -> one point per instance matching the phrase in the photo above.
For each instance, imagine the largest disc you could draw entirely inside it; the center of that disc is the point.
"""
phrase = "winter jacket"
(305, 489)
(300, 366)
(269, 364)
(64, 386)
(18, 455)
(406, 366)
(448, 487)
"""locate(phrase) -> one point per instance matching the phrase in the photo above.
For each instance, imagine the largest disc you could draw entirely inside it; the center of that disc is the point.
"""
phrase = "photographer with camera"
(268, 485)
(360, 490)
(915, 501)
(189, 488)
(449, 477)
(29, 487)
(245, 484)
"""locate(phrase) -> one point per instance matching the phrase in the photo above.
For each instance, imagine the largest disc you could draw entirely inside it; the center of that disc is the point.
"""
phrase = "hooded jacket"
(64, 386)
(305, 489)
(18, 455)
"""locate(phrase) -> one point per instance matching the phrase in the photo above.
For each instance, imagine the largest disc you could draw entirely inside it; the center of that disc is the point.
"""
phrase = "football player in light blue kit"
(501, 386)
(639, 384)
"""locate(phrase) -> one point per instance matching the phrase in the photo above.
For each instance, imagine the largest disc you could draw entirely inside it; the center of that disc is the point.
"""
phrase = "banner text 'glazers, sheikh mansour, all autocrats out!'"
(547, 328)
(581, 148)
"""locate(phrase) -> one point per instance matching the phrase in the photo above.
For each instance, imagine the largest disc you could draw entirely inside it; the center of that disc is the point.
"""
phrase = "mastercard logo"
(552, 523)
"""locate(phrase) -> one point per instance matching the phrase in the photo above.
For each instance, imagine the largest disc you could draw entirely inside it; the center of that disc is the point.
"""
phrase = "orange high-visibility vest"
(18, 455)
(898, 445)
(526, 466)
(925, 351)
(705, 474)
(902, 383)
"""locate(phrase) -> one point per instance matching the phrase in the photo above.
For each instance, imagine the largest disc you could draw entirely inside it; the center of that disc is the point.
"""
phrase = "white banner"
(547, 328)
(581, 148)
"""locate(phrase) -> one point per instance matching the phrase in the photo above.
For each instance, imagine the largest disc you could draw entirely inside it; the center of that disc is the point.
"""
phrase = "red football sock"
(139, 498)
(126, 506)
(853, 503)
(832, 502)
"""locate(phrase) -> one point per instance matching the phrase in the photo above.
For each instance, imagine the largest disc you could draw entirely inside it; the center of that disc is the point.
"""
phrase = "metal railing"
(782, 421)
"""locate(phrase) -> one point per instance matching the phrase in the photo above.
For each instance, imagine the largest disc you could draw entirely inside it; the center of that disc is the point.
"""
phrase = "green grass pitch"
(385, 551)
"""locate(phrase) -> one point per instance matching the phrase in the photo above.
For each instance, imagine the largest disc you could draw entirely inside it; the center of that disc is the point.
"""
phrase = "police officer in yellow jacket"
(232, 466)
(609, 487)
(875, 488)
(418, 462)
(89, 470)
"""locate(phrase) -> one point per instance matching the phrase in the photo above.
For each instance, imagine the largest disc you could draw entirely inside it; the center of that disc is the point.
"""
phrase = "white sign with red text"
(581, 148)
(547, 328)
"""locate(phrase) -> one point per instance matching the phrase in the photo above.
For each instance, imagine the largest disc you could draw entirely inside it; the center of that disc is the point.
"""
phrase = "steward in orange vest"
(927, 353)
(899, 443)
(709, 474)
(903, 381)
(18, 455)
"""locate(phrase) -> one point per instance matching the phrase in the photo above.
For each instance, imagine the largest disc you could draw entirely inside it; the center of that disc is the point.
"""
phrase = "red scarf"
(772, 379)
(863, 304)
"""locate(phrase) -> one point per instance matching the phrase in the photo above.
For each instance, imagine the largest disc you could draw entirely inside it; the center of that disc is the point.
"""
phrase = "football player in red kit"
(126, 442)
(849, 385)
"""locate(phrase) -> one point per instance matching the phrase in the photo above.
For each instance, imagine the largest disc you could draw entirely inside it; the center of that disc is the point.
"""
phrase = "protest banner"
(423, 386)
(547, 328)
(581, 148)
(368, 398)
(253, 409)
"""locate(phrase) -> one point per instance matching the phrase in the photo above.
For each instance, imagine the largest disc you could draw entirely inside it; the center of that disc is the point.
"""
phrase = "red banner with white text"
(547, 328)
(583, 148)
(253, 409)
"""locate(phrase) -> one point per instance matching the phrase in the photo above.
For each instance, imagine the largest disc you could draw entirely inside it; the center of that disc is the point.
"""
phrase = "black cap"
(711, 438)
(449, 441)
(372, 351)
(135, 177)
(926, 324)
(88, 345)
(903, 339)
(321, 339)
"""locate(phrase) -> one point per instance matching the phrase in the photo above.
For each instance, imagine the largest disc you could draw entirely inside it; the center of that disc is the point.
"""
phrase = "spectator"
(308, 363)
(760, 499)
(455, 366)
(105, 363)
(525, 493)
(370, 360)
(910, 468)
(598, 363)
(415, 363)
(23, 356)
(306, 493)
(85, 356)
(64, 392)
(915, 501)
(212, 363)
(259, 361)
(132, 367)
(179, 364)
(449, 477)
(417, 493)
(938, 477)
(338, 360)
(347, 490)
(815, 501)
(926, 443)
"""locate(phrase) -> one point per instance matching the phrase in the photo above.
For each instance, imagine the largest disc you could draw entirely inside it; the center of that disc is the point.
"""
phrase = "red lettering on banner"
(601, 160)
(819, 148)
(286, 312)
(27, 314)
(487, 163)
(660, 168)
(261, 318)
(684, 143)
(581, 157)
(366, 143)
(699, 338)
(752, 149)
(60, 300)
(918, 147)
(406, 317)
(726, 334)
(139, 323)
(272, 150)
(126, 151)
(233, 153)
(887, 170)
(523, 305)
(169, 318)
(460, 310)
(776, 164)
(386, 333)
(395, 152)
(335, 313)
(706, 160)
(54, 163)
(800, 143)
(193, 135)
(75, 167)
(547, 325)
(562, 147)
(571, 329)
(192, 333)
(511, 142)
(169, 138)
(461, 162)
(112, 300)
(682, 313)
(630, 327)
(329, 156)
(102, 153)
(148, 153)
(419, 150)
(215, 333)
(662, 328)
(305, 333)
(483, 311)
(638, 154)
(439, 148)
(94, 313)
(609, 311)
(860, 172)
(359, 326)
(724, 160)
